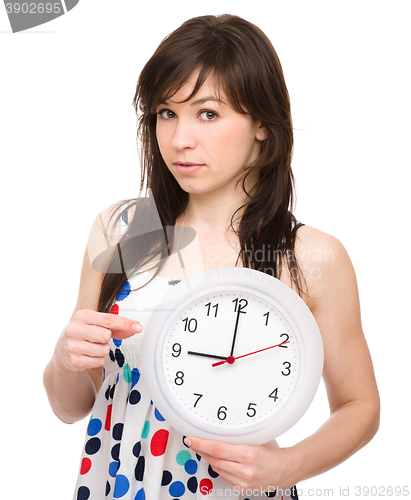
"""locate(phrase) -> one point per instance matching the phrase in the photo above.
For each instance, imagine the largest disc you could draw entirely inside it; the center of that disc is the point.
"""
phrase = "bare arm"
(348, 372)
(348, 375)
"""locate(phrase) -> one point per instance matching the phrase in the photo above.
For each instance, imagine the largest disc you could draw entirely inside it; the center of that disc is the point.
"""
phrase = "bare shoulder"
(104, 234)
(325, 264)
(314, 248)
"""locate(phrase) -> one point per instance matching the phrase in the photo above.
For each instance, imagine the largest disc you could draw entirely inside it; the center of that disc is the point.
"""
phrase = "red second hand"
(230, 360)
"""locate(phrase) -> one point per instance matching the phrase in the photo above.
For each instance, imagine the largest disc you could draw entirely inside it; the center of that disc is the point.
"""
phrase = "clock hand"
(206, 355)
(235, 329)
(230, 360)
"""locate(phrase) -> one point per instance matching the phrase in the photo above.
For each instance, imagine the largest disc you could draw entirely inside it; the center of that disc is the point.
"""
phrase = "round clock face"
(235, 357)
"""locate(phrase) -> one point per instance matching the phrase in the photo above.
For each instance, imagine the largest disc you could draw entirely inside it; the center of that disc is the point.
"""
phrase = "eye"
(208, 115)
(166, 114)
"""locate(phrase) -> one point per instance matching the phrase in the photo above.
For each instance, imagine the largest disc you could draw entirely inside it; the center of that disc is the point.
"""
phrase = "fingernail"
(187, 441)
(136, 327)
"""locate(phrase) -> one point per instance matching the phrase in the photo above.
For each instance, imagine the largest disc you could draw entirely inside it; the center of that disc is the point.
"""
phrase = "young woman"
(217, 139)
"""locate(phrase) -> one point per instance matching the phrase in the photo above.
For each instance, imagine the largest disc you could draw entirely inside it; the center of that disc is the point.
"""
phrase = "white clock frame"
(298, 316)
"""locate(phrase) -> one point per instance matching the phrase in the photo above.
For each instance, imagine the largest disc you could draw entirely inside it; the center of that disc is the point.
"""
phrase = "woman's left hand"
(263, 467)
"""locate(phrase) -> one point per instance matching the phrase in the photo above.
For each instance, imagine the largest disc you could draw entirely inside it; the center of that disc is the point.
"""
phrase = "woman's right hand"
(83, 345)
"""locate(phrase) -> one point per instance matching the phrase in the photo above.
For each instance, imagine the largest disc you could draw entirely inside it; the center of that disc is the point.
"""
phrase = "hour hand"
(206, 355)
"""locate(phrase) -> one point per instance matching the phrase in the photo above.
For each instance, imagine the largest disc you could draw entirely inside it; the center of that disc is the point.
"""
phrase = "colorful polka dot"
(113, 468)
(127, 373)
(146, 429)
(182, 457)
(135, 397)
(158, 416)
(192, 484)
(137, 449)
(119, 357)
(191, 467)
(141, 495)
(206, 485)
(177, 489)
(140, 467)
(114, 309)
(159, 443)
(107, 393)
(212, 472)
(94, 427)
(124, 292)
(115, 452)
(135, 377)
(85, 466)
(167, 478)
(121, 486)
(118, 431)
(107, 425)
(92, 446)
(83, 493)
(173, 282)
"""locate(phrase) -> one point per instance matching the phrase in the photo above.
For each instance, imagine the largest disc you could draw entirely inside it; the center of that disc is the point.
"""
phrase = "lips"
(187, 167)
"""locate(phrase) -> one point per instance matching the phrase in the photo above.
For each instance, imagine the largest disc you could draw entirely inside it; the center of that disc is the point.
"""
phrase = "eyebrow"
(205, 99)
(202, 100)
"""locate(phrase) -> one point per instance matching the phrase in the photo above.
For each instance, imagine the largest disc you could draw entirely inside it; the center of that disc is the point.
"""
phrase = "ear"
(261, 133)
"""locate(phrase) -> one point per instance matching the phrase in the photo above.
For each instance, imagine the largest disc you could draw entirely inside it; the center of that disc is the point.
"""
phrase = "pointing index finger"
(121, 327)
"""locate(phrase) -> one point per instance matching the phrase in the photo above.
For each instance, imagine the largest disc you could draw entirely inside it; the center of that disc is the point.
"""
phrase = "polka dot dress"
(130, 451)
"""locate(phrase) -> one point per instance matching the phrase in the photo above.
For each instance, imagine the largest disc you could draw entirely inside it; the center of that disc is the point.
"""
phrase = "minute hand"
(230, 360)
(235, 330)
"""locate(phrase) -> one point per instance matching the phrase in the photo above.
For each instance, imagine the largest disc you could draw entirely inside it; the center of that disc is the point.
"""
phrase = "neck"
(211, 214)
(213, 211)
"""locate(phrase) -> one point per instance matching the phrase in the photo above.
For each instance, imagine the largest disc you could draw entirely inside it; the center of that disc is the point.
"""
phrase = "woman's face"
(204, 142)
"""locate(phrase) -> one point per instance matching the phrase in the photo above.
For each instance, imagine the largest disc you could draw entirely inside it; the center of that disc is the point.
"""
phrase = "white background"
(67, 132)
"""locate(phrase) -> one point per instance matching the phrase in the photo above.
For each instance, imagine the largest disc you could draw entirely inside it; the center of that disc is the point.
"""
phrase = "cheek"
(236, 143)
(163, 140)
(224, 142)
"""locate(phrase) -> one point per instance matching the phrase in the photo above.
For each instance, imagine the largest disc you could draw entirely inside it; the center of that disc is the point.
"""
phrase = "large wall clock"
(233, 355)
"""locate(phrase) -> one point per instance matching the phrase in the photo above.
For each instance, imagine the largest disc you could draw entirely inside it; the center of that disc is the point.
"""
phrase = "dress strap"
(297, 226)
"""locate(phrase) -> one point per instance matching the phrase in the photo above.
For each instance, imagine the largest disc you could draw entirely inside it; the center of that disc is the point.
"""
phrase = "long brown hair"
(247, 69)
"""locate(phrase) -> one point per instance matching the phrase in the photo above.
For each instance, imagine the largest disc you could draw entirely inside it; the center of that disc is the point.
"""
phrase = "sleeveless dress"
(130, 451)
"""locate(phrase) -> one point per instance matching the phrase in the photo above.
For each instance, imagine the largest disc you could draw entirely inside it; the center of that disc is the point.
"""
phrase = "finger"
(213, 448)
(80, 362)
(90, 349)
(234, 473)
(89, 333)
(120, 327)
(227, 469)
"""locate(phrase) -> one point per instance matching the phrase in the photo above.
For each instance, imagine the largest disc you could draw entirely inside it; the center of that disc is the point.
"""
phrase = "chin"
(191, 187)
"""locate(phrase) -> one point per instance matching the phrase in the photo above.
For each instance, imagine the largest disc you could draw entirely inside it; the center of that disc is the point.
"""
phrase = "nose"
(184, 135)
